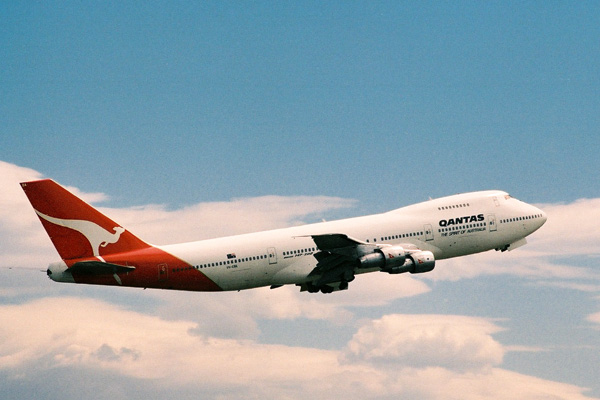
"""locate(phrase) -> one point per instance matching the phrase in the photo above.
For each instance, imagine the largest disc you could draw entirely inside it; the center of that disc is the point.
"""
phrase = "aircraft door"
(163, 272)
(428, 232)
(272, 255)
(492, 223)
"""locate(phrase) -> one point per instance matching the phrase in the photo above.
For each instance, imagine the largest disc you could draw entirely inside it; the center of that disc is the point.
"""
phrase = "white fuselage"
(448, 227)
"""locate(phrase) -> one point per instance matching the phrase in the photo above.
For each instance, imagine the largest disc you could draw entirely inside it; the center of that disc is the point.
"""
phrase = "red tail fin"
(76, 229)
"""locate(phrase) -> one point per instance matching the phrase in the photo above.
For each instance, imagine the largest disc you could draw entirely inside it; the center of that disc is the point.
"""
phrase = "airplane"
(321, 257)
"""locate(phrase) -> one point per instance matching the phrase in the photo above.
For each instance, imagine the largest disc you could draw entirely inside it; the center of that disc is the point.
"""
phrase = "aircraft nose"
(542, 219)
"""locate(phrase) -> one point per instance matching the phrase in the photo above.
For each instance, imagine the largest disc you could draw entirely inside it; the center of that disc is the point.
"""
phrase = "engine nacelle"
(423, 261)
(415, 263)
(384, 258)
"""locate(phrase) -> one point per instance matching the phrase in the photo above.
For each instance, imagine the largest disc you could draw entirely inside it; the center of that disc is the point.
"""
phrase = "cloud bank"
(397, 356)
(66, 341)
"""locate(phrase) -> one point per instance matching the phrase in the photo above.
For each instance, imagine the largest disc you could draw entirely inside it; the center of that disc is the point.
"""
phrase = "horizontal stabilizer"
(98, 268)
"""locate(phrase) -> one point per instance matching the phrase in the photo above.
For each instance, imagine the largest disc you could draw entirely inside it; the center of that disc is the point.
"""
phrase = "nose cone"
(544, 217)
(541, 219)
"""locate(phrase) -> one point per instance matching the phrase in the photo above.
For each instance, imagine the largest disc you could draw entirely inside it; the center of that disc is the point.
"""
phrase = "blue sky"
(201, 112)
(217, 100)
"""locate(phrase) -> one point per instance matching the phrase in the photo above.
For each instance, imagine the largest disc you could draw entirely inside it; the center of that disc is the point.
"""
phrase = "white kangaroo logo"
(94, 233)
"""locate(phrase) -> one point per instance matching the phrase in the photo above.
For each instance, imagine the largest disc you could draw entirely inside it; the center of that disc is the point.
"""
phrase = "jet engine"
(395, 260)
(423, 261)
(384, 258)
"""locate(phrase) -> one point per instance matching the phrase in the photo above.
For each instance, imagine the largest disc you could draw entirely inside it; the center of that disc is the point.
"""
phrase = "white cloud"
(23, 242)
(454, 357)
(582, 287)
(377, 289)
(571, 229)
(516, 263)
(525, 349)
(594, 318)
(235, 314)
(453, 342)
(495, 384)
(156, 224)
(207, 342)
(92, 334)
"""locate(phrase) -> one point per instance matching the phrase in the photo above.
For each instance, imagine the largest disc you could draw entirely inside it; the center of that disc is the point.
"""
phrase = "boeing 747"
(322, 257)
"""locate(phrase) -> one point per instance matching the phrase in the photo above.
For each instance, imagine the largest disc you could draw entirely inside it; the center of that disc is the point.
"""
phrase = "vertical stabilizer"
(77, 229)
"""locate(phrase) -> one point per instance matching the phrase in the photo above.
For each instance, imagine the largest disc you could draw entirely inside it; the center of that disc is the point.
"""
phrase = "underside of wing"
(340, 257)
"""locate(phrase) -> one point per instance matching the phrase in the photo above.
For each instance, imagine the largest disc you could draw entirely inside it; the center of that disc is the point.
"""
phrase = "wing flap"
(328, 262)
(336, 261)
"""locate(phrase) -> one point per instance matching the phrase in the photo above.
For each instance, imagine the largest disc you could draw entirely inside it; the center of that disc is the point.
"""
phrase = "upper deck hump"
(453, 201)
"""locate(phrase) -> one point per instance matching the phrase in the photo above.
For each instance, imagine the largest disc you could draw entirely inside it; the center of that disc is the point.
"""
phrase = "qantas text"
(462, 220)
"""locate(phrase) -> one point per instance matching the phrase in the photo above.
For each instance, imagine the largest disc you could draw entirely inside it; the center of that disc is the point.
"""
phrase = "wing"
(340, 257)
(333, 241)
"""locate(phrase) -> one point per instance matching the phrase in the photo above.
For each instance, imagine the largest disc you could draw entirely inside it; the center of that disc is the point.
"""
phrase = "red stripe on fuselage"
(154, 268)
